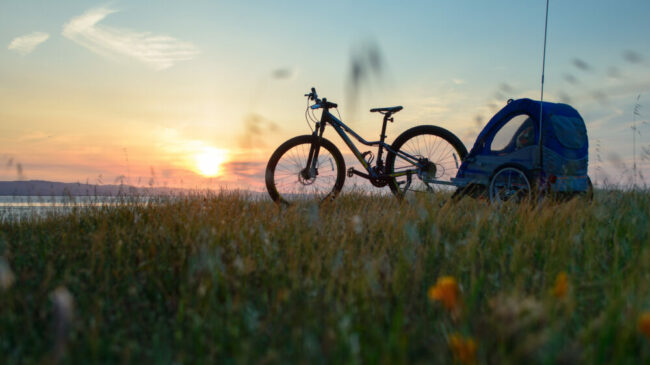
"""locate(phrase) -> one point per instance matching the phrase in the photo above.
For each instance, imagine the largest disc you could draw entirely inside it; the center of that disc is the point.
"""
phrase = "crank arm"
(352, 171)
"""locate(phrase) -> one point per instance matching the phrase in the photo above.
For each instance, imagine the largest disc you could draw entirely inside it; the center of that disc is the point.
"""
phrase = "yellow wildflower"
(644, 324)
(561, 286)
(446, 291)
(462, 348)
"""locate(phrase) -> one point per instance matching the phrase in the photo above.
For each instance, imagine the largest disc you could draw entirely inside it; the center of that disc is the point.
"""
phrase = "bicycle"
(421, 159)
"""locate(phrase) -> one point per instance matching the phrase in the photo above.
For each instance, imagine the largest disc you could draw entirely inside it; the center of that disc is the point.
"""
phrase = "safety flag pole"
(541, 98)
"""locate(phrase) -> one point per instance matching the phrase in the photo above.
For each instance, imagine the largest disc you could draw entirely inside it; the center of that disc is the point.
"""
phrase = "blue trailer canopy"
(563, 126)
(564, 152)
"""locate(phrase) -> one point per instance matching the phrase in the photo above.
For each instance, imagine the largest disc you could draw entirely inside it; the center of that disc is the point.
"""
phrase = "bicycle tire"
(296, 151)
(439, 136)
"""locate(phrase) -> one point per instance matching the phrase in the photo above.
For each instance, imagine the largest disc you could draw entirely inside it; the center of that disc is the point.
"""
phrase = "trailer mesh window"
(570, 132)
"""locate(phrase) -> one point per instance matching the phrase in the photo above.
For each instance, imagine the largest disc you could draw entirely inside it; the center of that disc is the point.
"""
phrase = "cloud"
(157, 51)
(26, 43)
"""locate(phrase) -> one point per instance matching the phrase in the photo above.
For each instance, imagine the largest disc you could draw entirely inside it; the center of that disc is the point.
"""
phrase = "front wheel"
(289, 180)
(438, 154)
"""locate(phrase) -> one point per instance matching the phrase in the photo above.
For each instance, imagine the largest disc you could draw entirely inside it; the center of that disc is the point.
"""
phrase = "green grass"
(230, 280)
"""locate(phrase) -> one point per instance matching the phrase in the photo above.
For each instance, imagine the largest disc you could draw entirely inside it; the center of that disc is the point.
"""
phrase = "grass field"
(225, 279)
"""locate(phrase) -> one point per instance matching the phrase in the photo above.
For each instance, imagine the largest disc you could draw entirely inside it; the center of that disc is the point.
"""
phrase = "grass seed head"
(63, 304)
(6, 275)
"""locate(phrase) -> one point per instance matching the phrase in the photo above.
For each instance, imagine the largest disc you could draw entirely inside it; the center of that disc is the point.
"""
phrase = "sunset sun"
(209, 160)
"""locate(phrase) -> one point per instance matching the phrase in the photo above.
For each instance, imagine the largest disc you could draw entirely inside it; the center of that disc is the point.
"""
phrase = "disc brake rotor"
(305, 178)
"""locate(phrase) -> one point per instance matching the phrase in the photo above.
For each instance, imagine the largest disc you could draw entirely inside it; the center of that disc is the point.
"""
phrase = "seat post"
(382, 137)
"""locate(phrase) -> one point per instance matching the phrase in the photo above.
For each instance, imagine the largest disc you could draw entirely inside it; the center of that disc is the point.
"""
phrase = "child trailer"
(507, 161)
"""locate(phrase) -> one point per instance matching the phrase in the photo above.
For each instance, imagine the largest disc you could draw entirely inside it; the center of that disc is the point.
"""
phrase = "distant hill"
(49, 188)
(53, 188)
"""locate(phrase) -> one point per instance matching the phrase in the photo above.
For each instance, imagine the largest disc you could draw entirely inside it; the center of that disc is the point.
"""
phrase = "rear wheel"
(289, 181)
(439, 153)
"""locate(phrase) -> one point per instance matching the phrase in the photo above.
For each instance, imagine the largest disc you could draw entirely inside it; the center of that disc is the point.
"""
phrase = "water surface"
(20, 207)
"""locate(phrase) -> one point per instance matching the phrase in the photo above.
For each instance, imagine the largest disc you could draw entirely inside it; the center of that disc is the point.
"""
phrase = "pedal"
(350, 171)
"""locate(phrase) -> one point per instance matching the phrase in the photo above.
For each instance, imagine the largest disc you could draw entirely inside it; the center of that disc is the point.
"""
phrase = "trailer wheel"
(510, 183)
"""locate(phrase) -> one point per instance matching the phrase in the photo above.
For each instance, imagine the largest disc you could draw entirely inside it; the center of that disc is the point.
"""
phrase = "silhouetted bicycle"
(421, 159)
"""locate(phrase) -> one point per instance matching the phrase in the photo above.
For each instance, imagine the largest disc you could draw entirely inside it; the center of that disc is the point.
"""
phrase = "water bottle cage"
(368, 157)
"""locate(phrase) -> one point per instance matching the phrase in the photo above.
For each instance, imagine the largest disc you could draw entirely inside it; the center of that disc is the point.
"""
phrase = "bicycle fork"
(310, 171)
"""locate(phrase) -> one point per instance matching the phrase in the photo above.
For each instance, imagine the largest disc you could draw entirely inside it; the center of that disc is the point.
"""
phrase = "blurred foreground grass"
(229, 279)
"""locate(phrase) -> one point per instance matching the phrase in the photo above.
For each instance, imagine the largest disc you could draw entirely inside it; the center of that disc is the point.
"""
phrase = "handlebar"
(324, 104)
(319, 103)
(312, 95)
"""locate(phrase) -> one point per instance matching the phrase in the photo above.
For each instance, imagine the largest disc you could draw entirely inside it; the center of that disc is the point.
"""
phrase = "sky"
(199, 93)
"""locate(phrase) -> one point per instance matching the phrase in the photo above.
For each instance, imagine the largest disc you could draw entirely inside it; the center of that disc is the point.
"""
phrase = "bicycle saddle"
(390, 109)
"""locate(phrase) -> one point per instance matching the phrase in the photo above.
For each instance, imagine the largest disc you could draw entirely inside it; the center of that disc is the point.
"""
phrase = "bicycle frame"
(343, 130)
